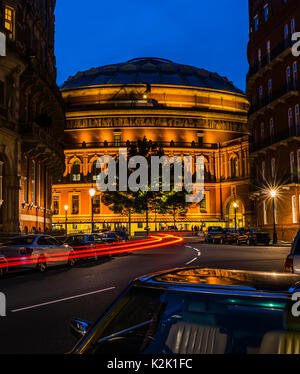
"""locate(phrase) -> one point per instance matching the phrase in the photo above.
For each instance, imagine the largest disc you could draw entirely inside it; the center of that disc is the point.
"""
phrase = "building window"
(117, 140)
(140, 225)
(96, 204)
(292, 165)
(203, 204)
(234, 167)
(33, 183)
(286, 32)
(266, 12)
(75, 204)
(294, 209)
(272, 132)
(273, 168)
(262, 131)
(265, 212)
(260, 94)
(295, 75)
(76, 171)
(256, 22)
(56, 205)
(270, 90)
(259, 58)
(293, 26)
(263, 170)
(10, 21)
(268, 51)
(26, 179)
(297, 119)
(290, 118)
(288, 78)
(95, 171)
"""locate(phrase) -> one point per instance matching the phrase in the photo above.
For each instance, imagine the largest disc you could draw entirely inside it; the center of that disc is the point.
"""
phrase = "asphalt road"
(40, 306)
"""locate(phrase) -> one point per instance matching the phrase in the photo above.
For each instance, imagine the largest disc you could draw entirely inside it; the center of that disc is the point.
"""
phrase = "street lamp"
(273, 196)
(92, 193)
(66, 222)
(235, 208)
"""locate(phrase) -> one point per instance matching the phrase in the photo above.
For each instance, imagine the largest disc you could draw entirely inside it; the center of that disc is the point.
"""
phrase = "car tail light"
(288, 265)
(253, 236)
(26, 251)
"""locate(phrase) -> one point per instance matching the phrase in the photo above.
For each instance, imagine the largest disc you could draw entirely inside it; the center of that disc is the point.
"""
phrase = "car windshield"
(175, 319)
(21, 241)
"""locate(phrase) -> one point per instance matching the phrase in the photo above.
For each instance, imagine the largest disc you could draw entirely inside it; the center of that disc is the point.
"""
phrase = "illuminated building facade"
(273, 90)
(186, 110)
(31, 116)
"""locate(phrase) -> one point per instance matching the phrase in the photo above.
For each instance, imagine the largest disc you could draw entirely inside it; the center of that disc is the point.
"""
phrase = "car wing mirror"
(79, 327)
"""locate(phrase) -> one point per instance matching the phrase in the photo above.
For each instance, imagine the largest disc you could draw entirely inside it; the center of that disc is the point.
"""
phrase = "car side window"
(43, 241)
(52, 241)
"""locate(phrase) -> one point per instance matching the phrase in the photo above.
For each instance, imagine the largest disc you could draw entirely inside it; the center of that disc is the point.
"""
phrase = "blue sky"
(208, 34)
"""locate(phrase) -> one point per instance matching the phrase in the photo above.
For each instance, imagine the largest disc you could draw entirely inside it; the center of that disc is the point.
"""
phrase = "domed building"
(186, 110)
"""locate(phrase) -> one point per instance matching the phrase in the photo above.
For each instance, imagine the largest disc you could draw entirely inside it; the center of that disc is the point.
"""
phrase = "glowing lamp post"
(273, 196)
(92, 193)
(235, 208)
(66, 222)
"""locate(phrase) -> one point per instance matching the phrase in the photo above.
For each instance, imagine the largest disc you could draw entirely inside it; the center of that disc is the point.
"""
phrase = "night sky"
(207, 34)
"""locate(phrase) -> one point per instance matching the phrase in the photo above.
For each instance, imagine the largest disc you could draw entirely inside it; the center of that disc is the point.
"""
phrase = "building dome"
(153, 71)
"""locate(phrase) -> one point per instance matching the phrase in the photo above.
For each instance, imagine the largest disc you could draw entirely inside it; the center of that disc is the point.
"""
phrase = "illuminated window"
(117, 140)
(263, 170)
(56, 205)
(256, 22)
(75, 204)
(294, 209)
(95, 170)
(265, 212)
(33, 183)
(96, 204)
(234, 167)
(266, 12)
(273, 168)
(10, 21)
(76, 171)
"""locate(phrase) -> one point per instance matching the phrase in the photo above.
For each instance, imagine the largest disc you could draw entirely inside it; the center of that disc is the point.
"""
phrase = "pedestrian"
(192, 229)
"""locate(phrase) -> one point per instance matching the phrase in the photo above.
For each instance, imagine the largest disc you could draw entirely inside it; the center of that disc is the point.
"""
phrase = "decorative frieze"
(116, 122)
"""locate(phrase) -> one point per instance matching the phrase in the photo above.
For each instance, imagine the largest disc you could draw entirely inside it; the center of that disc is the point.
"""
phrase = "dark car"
(111, 237)
(214, 234)
(292, 263)
(86, 245)
(3, 265)
(227, 237)
(252, 237)
(197, 311)
(123, 235)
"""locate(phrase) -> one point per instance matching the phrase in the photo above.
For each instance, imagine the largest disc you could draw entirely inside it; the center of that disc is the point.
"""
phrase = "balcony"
(171, 144)
(275, 141)
(277, 55)
(270, 102)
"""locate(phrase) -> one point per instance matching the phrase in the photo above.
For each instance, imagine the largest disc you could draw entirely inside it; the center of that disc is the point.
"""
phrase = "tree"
(174, 203)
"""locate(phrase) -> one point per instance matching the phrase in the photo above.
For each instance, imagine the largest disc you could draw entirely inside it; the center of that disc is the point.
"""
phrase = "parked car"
(214, 234)
(227, 237)
(85, 245)
(123, 235)
(3, 263)
(197, 311)
(111, 237)
(252, 237)
(292, 262)
(37, 252)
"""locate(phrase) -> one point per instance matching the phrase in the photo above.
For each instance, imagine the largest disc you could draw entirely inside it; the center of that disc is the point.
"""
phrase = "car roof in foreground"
(223, 281)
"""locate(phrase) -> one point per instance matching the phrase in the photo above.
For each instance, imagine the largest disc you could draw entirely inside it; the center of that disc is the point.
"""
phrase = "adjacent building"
(31, 116)
(184, 109)
(274, 118)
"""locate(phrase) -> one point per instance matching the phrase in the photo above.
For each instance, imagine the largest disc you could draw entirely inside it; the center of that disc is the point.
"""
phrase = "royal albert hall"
(188, 111)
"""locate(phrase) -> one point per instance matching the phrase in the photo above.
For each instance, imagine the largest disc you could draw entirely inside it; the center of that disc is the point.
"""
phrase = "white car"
(37, 252)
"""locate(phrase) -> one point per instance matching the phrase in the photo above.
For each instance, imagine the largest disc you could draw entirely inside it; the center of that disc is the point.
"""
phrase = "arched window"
(76, 171)
(234, 167)
(95, 171)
